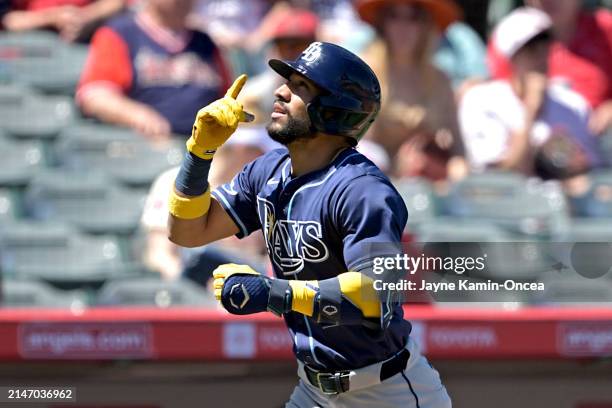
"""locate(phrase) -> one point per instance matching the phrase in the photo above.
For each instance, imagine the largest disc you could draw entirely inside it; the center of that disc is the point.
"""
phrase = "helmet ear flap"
(315, 114)
(339, 116)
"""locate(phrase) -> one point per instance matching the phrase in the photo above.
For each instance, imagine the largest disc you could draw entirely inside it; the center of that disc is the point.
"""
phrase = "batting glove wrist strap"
(192, 178)
(279, 300)
(328, 302)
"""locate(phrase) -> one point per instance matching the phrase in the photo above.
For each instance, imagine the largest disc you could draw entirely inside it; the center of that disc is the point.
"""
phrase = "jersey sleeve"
(108, 64)
(371, 216)
(239, 199)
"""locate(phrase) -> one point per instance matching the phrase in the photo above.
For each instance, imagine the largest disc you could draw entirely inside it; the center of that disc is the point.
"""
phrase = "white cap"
(517, 28)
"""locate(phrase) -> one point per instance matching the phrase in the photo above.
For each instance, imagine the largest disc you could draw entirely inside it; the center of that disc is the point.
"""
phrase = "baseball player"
(323, 208)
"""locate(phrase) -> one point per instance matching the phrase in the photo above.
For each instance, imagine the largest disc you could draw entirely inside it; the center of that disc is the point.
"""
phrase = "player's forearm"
(348, 299)
(189, 202)
(194, 218)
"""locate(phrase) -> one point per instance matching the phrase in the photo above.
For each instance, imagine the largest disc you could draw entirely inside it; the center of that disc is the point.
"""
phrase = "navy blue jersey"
(318, 226)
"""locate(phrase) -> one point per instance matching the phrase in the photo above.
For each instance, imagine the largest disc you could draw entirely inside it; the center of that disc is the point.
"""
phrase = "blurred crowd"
(525, 88)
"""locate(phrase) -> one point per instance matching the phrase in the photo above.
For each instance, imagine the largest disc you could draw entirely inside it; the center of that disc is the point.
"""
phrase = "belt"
(337, 382)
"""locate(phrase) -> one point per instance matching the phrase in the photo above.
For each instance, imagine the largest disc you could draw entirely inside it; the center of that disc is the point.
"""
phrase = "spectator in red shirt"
(72, 19)
(581, 56)
(148, 71)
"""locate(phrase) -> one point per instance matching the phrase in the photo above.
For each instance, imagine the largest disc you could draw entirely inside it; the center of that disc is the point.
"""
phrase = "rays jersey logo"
(291, 243)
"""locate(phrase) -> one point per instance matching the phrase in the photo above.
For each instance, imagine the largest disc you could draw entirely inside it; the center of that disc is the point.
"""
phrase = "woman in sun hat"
(417, 125)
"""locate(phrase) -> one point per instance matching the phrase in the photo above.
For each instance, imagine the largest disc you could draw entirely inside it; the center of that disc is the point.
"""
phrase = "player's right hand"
(240, 289)
(216, 122)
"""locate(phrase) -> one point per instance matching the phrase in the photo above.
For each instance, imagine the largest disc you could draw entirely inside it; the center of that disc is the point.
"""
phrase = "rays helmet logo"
(291, 243)
(312, 53)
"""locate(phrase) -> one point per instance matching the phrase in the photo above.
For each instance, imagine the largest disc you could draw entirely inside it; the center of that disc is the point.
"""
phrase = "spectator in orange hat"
(149, 71)
(72, 19)
(580, 57)
(417, 124)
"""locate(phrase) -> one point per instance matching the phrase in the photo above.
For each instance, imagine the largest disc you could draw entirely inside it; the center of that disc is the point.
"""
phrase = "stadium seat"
(586, 248)
(454, 229)
(24, 293)
(606, 146)
(12, 94)
(9, 207)
(60, 255)
(154, 292)
(42, 60)
(21, 160)
(569, 291)
(41, 117)
(597, 201)
(508, 255)
(588, 230)
(419, 198)
(90, 201)
(120, 152)
(524, 206)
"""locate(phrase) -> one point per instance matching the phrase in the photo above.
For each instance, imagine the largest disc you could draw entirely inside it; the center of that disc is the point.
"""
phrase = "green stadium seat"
(508, 255)
(20, 162)
(23, 294)
(597, 201)
(33, 38)
(524, 206)
(606, 146)
(41, 117)
(154, 292)
(60, 255)
(120, 152)
(453, 229)
(14, 94)
(588, 230)
(585, 249)
(419, 198)
(90, 201)
(569, 291)
(42, 60)
(9, 207)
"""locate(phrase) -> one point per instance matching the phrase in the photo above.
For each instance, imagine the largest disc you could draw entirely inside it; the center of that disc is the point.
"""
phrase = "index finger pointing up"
(236, 87)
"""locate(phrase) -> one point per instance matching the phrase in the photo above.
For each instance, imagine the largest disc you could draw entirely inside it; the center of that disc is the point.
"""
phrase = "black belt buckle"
(329, 383)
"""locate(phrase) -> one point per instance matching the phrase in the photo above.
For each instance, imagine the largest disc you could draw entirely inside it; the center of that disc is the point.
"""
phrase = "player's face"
(289, 120)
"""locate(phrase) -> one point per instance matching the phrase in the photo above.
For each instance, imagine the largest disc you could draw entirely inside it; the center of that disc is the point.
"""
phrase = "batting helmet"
(351, 93)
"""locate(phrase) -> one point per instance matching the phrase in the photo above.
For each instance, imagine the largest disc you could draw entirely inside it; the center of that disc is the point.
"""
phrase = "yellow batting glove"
(223, 272)
(216, 122)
